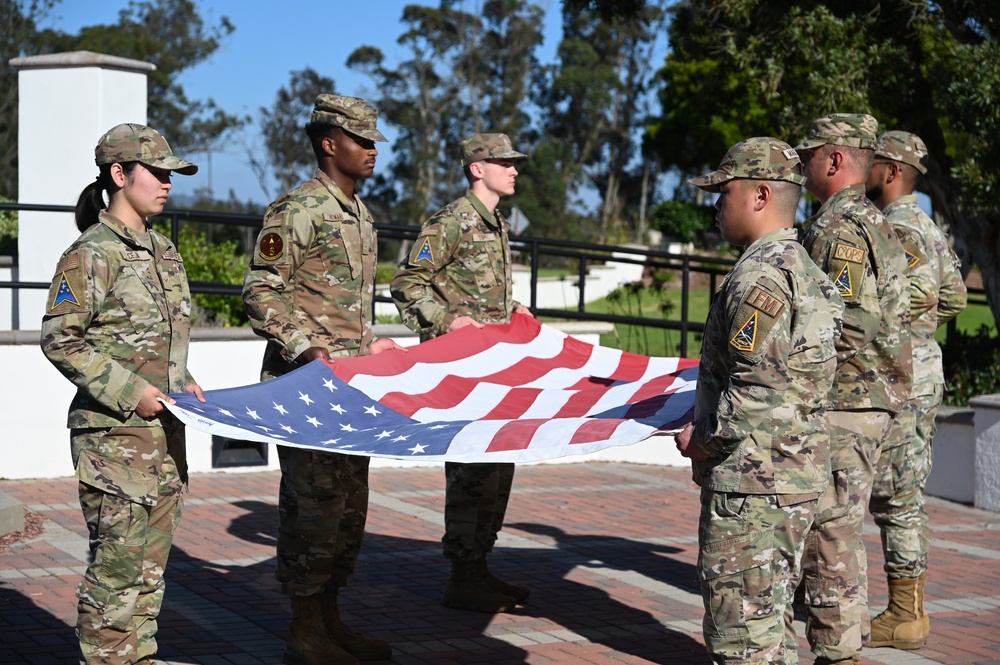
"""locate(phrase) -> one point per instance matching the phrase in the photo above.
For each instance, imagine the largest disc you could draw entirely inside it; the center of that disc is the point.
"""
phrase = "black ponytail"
(91, 201)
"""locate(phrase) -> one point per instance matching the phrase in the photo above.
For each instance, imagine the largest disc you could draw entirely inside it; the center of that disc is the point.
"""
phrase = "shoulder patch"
(270, 247)
(64, 293)
(422, 252)
(850, 253)
(765, 302)
(746, 336)
(914, 257)
(755, 318)
(846, 269)
(68, 263)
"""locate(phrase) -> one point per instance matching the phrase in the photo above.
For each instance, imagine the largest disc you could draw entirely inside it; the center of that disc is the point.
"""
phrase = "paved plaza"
(608, 549)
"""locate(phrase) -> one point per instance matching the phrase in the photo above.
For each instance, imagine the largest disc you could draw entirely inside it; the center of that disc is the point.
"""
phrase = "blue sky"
(271, 40)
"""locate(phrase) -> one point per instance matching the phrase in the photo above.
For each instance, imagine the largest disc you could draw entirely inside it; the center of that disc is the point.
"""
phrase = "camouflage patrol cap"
(352, 114)
(758, 158)
(855, 130)
(903, 147)
(130, 142)
(478, 147)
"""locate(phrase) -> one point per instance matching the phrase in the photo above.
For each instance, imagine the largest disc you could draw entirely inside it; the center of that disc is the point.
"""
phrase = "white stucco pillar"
(987, 421)
(66, 101)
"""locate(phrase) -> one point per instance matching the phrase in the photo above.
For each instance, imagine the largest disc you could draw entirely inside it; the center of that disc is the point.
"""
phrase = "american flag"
(521, 392)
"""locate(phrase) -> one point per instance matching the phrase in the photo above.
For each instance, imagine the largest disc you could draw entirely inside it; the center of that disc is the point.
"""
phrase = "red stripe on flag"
(514, 404)
(574, 355)
(597, 429)
(515, 435)
(630, 368)
(456, 345)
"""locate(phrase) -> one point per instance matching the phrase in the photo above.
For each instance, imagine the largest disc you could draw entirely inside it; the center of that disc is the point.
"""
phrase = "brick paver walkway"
(607, 549)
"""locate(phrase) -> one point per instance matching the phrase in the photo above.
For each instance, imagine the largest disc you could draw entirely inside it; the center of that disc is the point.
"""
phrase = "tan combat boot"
(308, 642)
(467, 589)
(904, 624)
(515, 591)
(348, 639)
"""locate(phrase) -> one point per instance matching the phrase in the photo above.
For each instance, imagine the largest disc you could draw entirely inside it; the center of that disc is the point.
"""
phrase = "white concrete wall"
(66, 102)
(954, 467)
(987, 475)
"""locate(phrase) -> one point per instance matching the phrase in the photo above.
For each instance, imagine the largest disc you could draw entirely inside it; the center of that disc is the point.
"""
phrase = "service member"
(457, 274)
(759, 442)
(117, 325)
(854, 245)
(937, 294)
(309, 292)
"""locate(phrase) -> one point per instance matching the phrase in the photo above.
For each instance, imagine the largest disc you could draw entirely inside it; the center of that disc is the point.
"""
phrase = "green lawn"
(657, 342)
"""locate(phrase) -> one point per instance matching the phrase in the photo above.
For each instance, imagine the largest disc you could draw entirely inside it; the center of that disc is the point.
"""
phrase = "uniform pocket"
(738, 577)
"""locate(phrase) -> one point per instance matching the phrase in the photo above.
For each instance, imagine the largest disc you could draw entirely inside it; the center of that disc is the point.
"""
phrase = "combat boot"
(515, 591)
(904, 624)
(822, 660)
(308, 642)
(467, 589)
(348, 639)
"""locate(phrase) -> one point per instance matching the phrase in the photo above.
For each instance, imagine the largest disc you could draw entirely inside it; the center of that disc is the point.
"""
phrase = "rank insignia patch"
(844, 284)
(271, 246)
(64, 293)
(746, 336)
(425, 253)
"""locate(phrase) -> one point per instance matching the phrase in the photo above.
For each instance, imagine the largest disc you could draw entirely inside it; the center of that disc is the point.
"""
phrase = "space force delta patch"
(423, 253)
(755, 317)
(847, 269)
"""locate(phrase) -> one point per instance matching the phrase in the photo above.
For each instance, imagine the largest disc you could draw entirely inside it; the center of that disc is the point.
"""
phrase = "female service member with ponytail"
(116, 324)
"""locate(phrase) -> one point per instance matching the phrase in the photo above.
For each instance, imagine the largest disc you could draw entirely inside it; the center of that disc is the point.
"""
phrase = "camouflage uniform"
(118, 320)
(460, 265)
(311, 282)
(937, 294)
(853, 243)
(766, 374)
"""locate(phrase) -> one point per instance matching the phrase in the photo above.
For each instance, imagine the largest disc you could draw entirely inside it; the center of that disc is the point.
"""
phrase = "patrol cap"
(855, 130)
(758, 158)
(130, 142)
(478, 147)
(352, 114)
(903, 147)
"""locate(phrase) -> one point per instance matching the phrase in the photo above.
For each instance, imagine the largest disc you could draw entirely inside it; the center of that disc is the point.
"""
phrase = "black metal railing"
(536, 251)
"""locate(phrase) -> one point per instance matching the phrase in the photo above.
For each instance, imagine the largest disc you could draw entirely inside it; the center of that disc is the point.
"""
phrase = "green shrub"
(971, 365)
(8, 230)
(680, 220)
(220, 262)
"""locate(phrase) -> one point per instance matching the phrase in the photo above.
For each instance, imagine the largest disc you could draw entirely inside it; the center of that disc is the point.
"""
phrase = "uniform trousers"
(898, 492)
(750, 550)
(476, 497)
(322, 510)
(834, 564)
(131, 519)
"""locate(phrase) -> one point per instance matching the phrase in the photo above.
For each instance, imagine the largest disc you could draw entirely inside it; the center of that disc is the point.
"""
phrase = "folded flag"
(520, 392)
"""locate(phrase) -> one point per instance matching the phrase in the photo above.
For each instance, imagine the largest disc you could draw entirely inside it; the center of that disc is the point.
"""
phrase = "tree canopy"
(740, 68)
(169, 33)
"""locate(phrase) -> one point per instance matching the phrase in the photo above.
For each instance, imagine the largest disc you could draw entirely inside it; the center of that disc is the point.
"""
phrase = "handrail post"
(534, 275)
(685, 295)
(581, 284)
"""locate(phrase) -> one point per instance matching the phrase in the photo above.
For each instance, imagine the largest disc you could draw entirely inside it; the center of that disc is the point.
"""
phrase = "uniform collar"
(126, 233)
(349, 205)
(492, 218)
(776, 235)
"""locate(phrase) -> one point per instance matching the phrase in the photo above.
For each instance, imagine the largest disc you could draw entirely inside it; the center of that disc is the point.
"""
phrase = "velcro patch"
(64, 294)
(914, 257)
(132, 255)
(337, 216)
(756, 317)
(422, 252)
(270, 247)
(746, 337)
(850, 253)
(483, 237)
(765, 302)
(68, 263)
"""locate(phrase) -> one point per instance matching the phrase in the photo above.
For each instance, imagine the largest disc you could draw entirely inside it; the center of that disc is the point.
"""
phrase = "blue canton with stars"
(322, 412)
